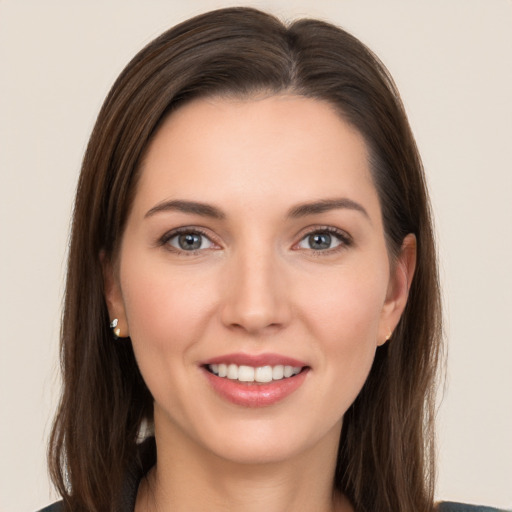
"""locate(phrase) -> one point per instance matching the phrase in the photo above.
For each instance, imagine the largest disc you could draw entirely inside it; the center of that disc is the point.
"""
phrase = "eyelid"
(164, 239)
(344, 237)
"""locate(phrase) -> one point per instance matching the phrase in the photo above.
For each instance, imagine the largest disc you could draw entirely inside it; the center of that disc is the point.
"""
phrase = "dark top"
(147, 460)
(445, 506)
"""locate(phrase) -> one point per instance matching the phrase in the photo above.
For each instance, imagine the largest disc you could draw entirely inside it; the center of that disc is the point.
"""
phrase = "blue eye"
(323, 240)
(189, 241)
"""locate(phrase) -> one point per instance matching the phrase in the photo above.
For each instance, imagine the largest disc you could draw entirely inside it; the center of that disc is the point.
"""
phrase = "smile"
(261, 374)
(250, 380)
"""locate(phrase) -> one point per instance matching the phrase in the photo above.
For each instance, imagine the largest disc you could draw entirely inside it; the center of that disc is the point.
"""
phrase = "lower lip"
(254, 394)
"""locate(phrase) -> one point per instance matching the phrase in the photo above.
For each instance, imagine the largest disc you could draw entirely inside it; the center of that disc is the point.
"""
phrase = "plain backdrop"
(452, 61)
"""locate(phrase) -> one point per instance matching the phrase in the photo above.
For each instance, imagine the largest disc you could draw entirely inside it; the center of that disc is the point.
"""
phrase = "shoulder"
(56, 507)
(450, 506)
(147, 459)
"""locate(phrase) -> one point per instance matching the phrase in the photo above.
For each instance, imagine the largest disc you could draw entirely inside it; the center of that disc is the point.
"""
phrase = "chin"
(258, 452)
(271, 443)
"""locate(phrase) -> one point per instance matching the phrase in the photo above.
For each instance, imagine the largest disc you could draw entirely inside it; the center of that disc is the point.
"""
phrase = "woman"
(252, 274)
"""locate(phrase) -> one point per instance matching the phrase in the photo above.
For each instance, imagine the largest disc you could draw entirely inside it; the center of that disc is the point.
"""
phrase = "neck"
(187, 477)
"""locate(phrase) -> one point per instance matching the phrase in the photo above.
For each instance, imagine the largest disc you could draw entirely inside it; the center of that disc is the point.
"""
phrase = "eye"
(188, 241)
(324, 240)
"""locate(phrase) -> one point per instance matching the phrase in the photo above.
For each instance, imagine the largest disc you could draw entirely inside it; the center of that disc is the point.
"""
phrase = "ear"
(400, 281)
(113, 295)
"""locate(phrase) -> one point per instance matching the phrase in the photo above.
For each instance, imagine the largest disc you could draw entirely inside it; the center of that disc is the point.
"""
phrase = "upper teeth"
(251, 374)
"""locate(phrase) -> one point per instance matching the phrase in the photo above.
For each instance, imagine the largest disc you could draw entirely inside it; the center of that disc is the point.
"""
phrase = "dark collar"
(146, 459)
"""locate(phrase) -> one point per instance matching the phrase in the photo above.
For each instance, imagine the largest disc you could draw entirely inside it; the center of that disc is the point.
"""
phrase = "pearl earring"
(116, 331)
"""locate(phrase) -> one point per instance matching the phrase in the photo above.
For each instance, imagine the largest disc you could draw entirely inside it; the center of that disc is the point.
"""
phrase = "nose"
(255, 296)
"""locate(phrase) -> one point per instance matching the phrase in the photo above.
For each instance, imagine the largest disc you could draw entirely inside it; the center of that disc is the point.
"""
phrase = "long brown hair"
(386, 458)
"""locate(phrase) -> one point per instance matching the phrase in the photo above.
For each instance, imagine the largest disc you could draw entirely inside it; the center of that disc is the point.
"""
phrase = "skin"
(256, 285)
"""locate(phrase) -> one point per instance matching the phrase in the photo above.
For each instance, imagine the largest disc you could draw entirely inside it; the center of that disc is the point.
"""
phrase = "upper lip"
(255, 360)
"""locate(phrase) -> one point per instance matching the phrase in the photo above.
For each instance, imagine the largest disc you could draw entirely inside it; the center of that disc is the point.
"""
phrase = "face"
(255, 250)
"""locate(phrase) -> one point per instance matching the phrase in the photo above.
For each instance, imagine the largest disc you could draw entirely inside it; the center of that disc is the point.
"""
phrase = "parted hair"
(386, 452)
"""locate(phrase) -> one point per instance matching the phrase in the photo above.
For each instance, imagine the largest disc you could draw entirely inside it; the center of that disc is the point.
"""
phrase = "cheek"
(167, 313)
(346, 307)
(161, 303)
(344, 322)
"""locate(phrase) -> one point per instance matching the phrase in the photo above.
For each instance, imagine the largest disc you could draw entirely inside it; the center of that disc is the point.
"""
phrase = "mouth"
(250, 374)
(255, 380)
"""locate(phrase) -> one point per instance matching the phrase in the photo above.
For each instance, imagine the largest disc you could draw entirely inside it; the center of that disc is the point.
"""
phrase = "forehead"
(268, 148)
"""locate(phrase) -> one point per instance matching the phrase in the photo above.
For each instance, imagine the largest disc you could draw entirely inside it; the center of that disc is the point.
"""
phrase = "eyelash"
(164, 241)
(344, 239)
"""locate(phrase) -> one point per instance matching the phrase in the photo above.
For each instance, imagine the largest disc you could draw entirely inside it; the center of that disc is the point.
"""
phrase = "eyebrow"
(301, 210)
(326, 205)
(203, 209)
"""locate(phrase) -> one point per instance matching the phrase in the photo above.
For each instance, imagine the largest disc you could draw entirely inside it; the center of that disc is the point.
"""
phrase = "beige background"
(452, 60)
